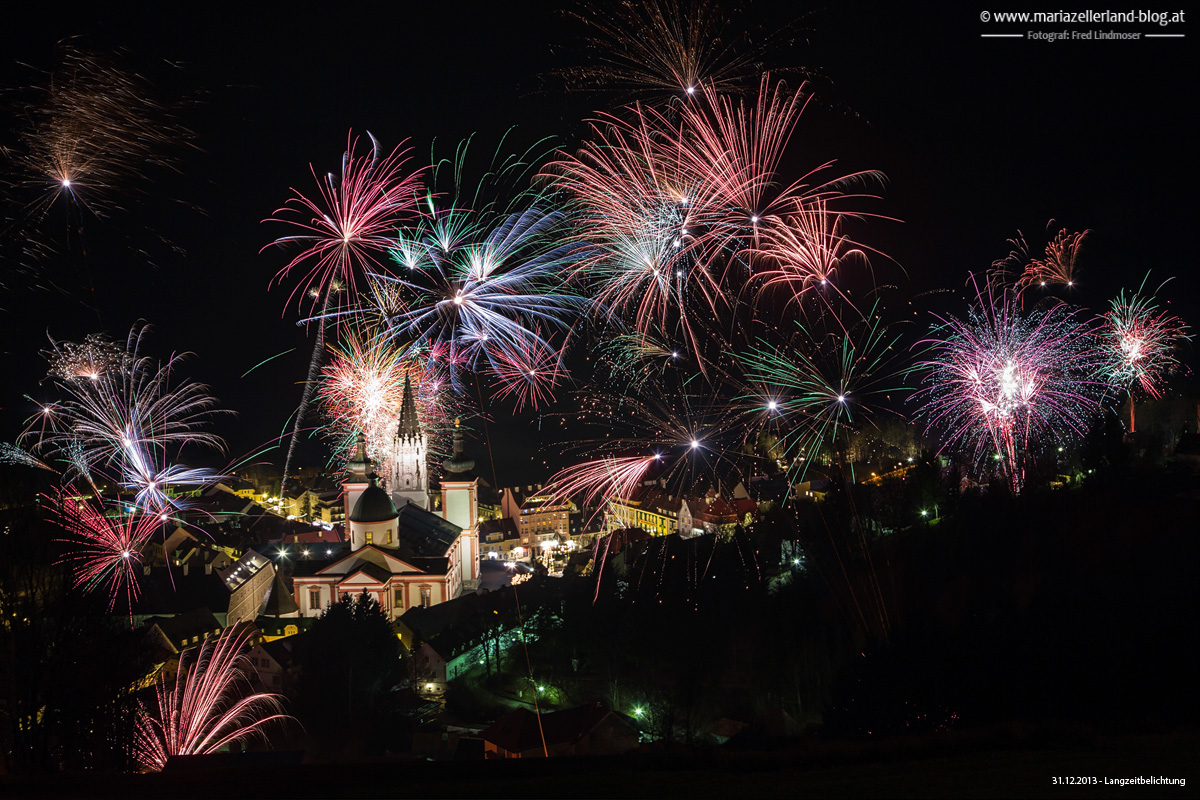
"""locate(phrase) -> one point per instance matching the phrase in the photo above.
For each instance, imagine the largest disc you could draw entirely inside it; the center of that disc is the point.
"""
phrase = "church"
(398, 550)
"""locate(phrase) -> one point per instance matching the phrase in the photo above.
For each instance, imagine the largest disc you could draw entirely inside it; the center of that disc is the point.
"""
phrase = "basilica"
(397, 548)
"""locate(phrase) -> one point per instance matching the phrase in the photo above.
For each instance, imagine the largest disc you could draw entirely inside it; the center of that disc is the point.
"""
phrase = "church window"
(370, 537)
(314, 599)
(389, 536)
(398, 597)
(426, 598)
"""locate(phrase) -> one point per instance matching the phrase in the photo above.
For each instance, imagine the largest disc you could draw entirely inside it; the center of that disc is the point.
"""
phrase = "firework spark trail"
(207, 706)
(106, 545)
(1004, 383)
(1141, 342)
(1059, 264)
(637, 358)
(347, 228)
(817, 386)
(127, 419)
(11, 454)
(528, 375)
(803, 250)
(482, 302)
(597, 483)
(671, 47)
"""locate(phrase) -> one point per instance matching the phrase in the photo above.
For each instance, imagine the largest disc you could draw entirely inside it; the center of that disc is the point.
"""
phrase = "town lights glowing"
(207, 706)
(1007, 383)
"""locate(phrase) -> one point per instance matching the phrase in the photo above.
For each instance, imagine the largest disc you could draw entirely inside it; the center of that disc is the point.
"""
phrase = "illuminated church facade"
(398, 550)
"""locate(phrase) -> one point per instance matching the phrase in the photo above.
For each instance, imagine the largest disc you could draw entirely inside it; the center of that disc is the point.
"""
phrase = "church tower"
(409, 480)
(460, 505)
(357, 470)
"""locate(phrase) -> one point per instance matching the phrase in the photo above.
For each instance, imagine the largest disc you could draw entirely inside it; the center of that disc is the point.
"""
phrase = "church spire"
(409, 482)
(410, 426)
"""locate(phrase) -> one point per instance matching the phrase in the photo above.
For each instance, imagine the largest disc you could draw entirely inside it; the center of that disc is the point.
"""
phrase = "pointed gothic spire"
(410, 426)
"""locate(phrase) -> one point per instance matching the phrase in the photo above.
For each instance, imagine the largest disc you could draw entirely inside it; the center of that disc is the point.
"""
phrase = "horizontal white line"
(1163, 35)
(1001, 36)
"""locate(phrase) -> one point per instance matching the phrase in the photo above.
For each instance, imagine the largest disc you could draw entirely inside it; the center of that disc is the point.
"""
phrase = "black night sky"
(979, 138)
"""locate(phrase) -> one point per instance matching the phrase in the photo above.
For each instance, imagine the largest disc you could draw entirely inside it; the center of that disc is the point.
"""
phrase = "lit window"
(426, 596)
(370, 537)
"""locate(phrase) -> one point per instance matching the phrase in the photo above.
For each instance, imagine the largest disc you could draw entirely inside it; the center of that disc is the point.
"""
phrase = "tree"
(351, 663)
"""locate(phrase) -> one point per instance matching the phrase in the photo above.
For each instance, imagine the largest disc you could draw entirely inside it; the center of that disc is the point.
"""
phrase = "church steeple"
(410, 426)
(409, 481)
(357, 470)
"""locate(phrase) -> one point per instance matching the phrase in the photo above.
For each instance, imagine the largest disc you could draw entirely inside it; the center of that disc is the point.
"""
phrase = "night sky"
(979, 138)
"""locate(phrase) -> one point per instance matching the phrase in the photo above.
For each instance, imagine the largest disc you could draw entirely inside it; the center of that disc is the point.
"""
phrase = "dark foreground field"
(1004, 762)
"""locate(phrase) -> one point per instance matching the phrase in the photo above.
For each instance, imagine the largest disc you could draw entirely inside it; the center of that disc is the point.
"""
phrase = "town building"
(399, 552)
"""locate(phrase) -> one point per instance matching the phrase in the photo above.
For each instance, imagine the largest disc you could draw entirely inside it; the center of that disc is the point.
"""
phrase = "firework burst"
(669, 47)
(127, 420)
(1057, 267)
(814, 387)
(1003, 383)
(675, 205)
(106, 545)
(362, 389)
(1141, 342)
(347, 228)
(480, 282)
(92, 133)
(208, 706)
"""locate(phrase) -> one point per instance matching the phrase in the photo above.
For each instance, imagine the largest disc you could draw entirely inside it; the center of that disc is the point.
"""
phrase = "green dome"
(373, 505)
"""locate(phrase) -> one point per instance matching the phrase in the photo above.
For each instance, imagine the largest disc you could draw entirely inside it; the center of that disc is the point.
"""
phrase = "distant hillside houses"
(658, 512)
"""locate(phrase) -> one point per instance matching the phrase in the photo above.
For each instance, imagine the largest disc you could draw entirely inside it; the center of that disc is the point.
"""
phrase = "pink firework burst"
(1002, 383)
(207, 706)
(349, 225)
(106, 546)
(803, 250)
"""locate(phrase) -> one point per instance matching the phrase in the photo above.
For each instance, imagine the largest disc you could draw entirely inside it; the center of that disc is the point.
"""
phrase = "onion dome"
(359, 465)
(459, 462)
(374, 505)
